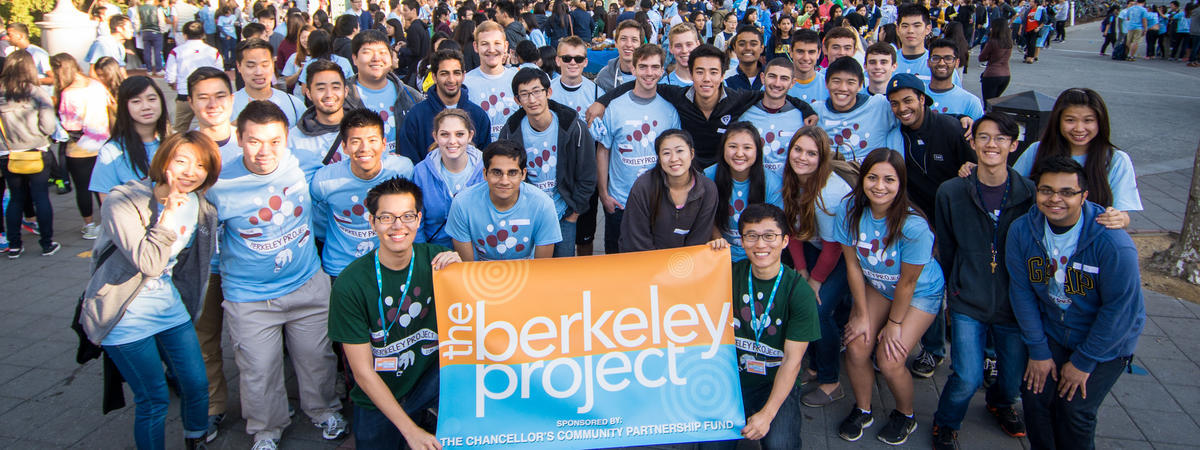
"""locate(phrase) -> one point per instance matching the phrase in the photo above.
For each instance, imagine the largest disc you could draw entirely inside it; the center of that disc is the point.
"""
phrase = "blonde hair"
(487, 26)
(682, 28)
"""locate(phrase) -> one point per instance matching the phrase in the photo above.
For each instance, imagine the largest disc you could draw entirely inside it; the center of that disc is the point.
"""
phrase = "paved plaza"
(49, 401)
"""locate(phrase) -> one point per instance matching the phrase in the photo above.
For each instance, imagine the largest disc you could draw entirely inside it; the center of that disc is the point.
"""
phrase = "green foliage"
(29, 12)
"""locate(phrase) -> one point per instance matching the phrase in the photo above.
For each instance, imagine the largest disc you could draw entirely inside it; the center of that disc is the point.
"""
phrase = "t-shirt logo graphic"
(847, 142)
(725, 120)
(874, 253)
(503, 237)
(641, 136)
(275, 212)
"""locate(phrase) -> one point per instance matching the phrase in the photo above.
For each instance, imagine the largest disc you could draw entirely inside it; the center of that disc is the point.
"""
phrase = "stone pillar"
(67, 30)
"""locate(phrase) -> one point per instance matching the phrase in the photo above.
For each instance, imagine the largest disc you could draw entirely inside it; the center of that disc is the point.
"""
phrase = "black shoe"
(194, 444)
(14, 253)
(214, 426)
(897, 429)
(1009, 420)
(944, 438)
(990, 372)
(52, 249)
(852, 427)
(925, 364)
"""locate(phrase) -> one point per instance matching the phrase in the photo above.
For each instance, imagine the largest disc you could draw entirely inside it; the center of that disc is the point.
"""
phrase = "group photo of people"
(265, 178)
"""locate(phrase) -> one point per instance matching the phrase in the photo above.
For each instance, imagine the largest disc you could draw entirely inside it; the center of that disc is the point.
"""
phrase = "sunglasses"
(572, 59)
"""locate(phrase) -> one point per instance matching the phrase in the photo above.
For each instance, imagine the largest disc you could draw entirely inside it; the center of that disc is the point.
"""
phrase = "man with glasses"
(1076, 292)
(949, 98)
(505, 218)
(561, 153)
(383, 298)
(971, 225)
(934, 149)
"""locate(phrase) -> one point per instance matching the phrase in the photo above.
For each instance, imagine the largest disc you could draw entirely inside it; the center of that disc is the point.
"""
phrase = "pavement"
(49, 401)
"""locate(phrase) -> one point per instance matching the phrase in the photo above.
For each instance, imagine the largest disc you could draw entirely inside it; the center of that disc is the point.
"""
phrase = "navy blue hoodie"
(416, 133)
(1107, 313)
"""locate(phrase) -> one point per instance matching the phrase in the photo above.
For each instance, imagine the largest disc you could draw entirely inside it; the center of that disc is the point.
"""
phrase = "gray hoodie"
(28, 123)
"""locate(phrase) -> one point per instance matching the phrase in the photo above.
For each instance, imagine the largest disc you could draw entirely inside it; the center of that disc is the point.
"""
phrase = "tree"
(1182, 258)
(29, 12)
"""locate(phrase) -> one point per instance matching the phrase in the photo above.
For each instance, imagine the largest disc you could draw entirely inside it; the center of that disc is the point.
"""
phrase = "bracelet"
(895, 322)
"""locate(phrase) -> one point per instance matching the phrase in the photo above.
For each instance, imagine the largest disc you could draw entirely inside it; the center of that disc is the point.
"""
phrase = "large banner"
(599, 351)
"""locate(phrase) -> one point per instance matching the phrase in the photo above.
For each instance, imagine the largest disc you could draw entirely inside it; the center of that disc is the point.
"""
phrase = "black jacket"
(575, 177)
(416, 47)
(945, 151)
(707, 131)
(964, 238)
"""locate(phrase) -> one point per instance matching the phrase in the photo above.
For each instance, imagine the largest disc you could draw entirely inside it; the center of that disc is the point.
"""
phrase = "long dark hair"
(901, 206)
(724, 176)
(124, 129)
(464, 34)
(1001, 34)
(659, 177)
(320, 45)
(956, 34)
(1099, 151)
(562, 14)
(19, 77)
(801, 198)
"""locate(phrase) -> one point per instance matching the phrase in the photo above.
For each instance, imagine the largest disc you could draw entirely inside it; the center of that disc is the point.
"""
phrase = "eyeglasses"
(572, 59)
(938, 59)
(530, 95)
(1065, 193)
(999, 140)
(769, 238)
(497, 173)
(388, 219)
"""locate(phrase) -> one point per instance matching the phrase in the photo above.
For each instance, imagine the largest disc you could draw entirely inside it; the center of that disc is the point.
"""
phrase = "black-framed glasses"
(531, 94)
(769, 238)
(388, 219)
(573, 59)
(1065, 193)
(940, 59)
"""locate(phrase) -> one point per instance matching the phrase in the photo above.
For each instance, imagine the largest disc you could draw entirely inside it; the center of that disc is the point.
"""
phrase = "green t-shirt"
(793, 317)
(411, 345)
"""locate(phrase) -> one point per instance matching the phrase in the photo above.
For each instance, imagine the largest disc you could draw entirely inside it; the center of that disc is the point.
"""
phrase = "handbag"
(26, 162)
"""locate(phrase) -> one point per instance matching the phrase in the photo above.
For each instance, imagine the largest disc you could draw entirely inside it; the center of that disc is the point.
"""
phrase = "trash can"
(1031, 111)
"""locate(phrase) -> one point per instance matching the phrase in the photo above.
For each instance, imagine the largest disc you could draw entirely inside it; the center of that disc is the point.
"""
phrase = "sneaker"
(333, 427)
(897, 429)
(817, 398)
(30, 226)
(52, 249)
(852, 427)
(265, 444)
(214, 425)
(1009, 420)
(14, 253)
(63, 186)
(990, 372)
(91, 231)
(925, 364)
(944, 438)
(3, 243)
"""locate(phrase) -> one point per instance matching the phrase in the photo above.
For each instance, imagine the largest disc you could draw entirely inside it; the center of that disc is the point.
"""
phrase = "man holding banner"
(382, 311)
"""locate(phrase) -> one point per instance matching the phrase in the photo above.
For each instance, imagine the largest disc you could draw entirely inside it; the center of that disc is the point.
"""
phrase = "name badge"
(756, 367)
(385, 364)
(681, 231)
(938, 157)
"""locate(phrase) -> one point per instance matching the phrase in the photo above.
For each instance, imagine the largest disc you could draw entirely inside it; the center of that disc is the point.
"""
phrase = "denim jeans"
(141, 363)
(565, 247)
(152, 50)
(1054, 422)
(966, 360)
(826, 350)
(1195, 39)
(612, 231)
(934, 339)
(785, 427)
(22, 189)
(373, 430)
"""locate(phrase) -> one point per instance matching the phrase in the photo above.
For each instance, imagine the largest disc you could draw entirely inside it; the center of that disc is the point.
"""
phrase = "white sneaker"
(333, 427)
(265, 444)
(91, 231)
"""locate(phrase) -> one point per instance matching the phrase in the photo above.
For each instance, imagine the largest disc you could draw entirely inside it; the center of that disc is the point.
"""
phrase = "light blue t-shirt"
(382, 101)
(579, 97)
(628, 130)
(880, 265)
(158, 306)
(957, 101)
(672, 79)
(267, 248)
(812, 92)
(347, 70)
(507, 235)
(776, 131)
(541, 148)
(338, 198)
(106, 46)
(832, 195)
(857, 132)
(1060, 248)
(1151, 20)
(291, 105)
(1134, 16)
(1121, 178)
(493, 94)
(113, 167)
(739, 199)
(920, 67)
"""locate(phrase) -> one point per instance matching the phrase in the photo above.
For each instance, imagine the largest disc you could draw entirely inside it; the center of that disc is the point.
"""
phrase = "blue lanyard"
(755, 319)
(403, 293)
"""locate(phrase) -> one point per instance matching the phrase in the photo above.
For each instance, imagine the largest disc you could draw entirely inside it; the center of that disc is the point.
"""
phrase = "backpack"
(1119, 51)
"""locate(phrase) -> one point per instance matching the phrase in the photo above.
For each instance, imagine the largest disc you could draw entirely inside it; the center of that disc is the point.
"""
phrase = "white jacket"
(185, 59)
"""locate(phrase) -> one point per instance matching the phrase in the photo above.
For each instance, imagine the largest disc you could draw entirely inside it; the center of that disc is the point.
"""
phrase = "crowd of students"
(1170, 33)
(861, 183)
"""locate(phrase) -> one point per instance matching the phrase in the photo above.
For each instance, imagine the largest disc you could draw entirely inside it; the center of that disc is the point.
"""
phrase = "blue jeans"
(612, 231)
(1054, 422)
(966, 359)
(373, 430)
(934, 339)
(141, 363)
(1195, 48)
(228, 45)
(826, 350)
(22, 189)
(152, 50)
(566, 247)
(785, 427)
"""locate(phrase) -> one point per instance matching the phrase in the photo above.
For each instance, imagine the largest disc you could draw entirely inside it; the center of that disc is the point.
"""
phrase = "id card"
(753, 366)
(385, 364)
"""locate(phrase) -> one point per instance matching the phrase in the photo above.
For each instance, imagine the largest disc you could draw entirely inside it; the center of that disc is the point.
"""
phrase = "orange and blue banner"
(599, 351)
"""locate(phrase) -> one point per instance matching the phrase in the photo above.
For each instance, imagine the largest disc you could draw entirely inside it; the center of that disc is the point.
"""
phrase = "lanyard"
(995, 217)
(403, 293)
(755, 319)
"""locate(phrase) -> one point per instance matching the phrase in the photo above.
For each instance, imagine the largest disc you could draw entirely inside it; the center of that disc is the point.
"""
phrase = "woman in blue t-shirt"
(740, 180)
(140, 123)
(896, 286)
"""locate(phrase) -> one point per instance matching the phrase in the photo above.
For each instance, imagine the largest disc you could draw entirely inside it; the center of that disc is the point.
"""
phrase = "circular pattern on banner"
(680, 265)
(495, 282)
(707, 393)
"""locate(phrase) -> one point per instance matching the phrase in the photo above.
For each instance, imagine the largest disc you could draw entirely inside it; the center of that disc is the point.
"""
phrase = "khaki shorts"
(1133, 37)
